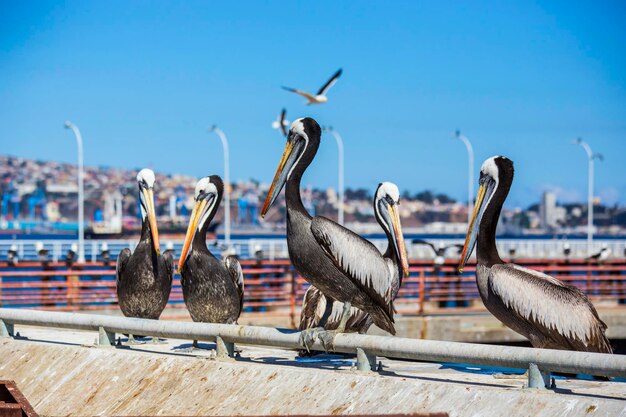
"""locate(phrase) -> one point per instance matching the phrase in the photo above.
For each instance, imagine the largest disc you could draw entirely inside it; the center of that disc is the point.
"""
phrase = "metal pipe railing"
(392, 347)
(277, 248)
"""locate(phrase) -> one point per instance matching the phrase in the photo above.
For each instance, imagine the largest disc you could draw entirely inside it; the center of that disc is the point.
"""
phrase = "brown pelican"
(550, 313)
(315, 303)
(144, 279)
(212, 289)
(320, 97)
(340, 263)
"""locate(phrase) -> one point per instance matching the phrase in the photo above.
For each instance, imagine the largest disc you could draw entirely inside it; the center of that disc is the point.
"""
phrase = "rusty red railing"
(273, 288)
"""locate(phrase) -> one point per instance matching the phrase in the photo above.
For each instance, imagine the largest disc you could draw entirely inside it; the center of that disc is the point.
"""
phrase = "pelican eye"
(389, 200)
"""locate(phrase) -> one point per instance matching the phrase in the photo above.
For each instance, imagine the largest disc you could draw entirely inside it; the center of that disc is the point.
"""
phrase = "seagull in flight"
(320, 97)
(281, 123)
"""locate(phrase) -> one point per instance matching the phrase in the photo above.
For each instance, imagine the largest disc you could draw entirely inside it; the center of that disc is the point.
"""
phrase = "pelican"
(548, 312)
(281, 123)
(315, 303)
(212, 289)
(340, 263)
(320, 97)
(144, 279)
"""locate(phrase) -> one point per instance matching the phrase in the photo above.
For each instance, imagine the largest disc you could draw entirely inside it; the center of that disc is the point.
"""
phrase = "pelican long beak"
(196, 213)
(398, 238)
(282, 172)
(148, 195)
(472, 232)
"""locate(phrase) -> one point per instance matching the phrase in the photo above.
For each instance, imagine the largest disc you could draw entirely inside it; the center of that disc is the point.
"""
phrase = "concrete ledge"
(65, 378)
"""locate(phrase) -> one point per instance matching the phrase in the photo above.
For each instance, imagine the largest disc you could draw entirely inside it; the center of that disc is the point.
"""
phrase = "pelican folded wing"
(566, 316)
(357, 258)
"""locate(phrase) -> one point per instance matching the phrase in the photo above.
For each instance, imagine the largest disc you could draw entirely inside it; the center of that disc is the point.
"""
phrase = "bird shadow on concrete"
(482, 370)
(324, 361)
(566, 391)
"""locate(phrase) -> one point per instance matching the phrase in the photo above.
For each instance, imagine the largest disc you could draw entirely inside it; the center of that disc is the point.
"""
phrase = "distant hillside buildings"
(551, 216)
(38, 192)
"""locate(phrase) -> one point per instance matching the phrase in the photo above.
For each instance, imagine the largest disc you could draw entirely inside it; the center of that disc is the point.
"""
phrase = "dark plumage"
(212, 289)
(308, 256)
(315, 303)
(547, 311)
(144, 278)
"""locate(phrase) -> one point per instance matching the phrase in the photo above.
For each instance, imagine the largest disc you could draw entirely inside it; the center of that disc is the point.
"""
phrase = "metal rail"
(276, 248)
(274, 288)
(539, 361)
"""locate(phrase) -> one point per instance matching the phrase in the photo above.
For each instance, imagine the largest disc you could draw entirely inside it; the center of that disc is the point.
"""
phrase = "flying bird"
(315, 303)
(439, 252)
(340, 263)
(212, 289)
(281, 123)
(548, 312)
(320, 97)
(144, 278)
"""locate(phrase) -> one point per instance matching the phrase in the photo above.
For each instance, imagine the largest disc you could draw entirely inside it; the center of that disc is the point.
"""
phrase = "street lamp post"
(341, 190)
(222, 137)
(81, 192)
(470, 173)
(590, 165)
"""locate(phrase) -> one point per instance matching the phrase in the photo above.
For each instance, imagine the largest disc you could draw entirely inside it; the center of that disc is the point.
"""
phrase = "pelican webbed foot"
(327, 339)
(308, 337)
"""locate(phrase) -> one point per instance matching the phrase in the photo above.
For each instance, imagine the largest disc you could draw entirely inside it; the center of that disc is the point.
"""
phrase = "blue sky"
(143, 81)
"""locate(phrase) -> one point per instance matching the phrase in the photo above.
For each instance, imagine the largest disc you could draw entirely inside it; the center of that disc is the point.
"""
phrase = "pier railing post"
(224, 349)
(538, 378)
(6, 329)
(105, 338)
(365, 361)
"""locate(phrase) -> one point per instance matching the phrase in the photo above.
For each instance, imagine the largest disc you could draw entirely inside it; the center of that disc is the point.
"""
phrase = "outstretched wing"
(423, 242)
(122, 261)
(357, 258)
(330, 82)
(169, 264)
(457, 246)
(231, 262)
(561, 312)
(282, 122)
(302, 93)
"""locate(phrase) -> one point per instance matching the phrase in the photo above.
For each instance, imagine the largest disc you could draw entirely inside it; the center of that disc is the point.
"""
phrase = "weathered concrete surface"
(65, 378)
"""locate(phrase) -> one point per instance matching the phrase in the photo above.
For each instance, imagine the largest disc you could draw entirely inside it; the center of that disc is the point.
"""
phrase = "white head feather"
(298, 127)
(490, 168)
(146, 175)
(390, 189)
(204, 186)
